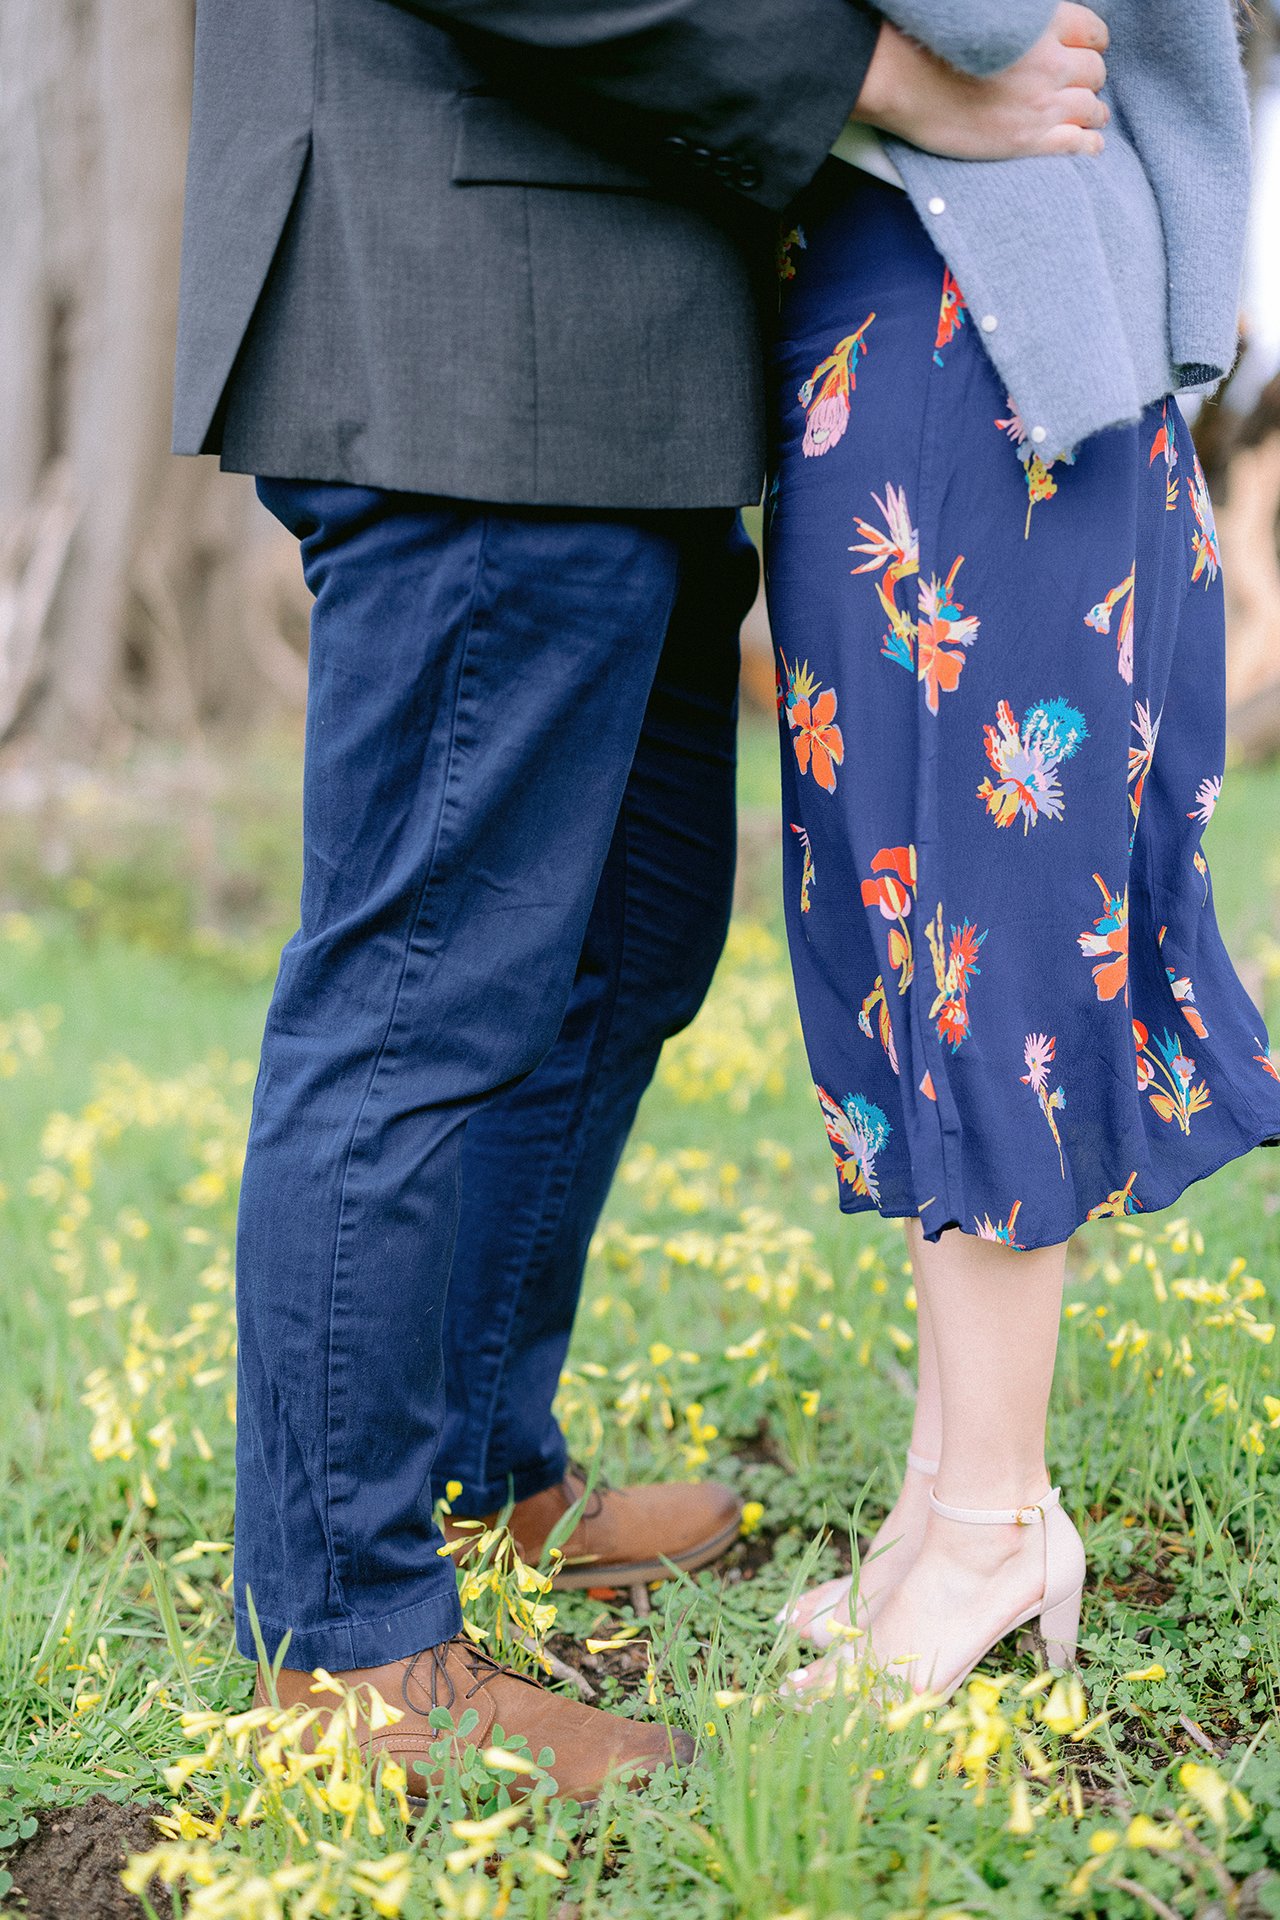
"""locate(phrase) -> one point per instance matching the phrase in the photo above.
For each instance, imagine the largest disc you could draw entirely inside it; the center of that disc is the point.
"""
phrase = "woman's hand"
(1045, 103)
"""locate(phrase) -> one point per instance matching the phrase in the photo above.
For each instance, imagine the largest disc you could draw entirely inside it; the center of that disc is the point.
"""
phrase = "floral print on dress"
(1040, 483)
(1140, 758)
(1208, 794)
(1166, 1075)
(1204, 541)
(944, 632)
(858, 1131)
(1108, 943)
(1166, 443)
(877, 1003)
(787, 243)
(1037, 1053)
(1038, 706)
(1026, 760)
(1184, 993)
(811, 716)
(808, 875)
(1123, 1200)
(955, 968)
(1099, 618)
(892, 888)
(951, 312)
(1000, 1231)
(932, 641)
(826, 394)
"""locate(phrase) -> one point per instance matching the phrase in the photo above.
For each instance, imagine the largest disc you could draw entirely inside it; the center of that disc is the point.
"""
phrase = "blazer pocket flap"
(497, 145)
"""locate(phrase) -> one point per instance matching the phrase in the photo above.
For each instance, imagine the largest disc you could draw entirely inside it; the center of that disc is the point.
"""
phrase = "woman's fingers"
(1071, 139)
(1077, 107)
(1078, 26)
(1083, 68)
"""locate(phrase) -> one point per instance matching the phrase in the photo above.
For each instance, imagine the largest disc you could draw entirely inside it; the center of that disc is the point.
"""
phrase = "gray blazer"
(506, 250)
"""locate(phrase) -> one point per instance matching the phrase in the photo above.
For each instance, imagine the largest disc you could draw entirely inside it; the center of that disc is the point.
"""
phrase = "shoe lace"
(437, 1683)
(575, 1485)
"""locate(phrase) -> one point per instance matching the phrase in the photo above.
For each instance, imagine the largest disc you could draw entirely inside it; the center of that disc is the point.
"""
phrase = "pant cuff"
(340, 1645)
(475, 1501)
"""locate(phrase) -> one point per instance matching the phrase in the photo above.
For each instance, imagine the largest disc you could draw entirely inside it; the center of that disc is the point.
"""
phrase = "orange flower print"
(877, 1002)
(825, 395)
(955, 968)
(1001, 1231)
(1123, 1200)
(945, 631)
(1184, 993)
(818, 741)
(951, 312)
(1265, 1061)
(1166, 443)
(1108, 944)
(892, 889)
(1099, 618)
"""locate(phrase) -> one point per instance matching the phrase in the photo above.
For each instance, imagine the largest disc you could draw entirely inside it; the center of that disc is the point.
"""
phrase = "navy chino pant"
(518, 859)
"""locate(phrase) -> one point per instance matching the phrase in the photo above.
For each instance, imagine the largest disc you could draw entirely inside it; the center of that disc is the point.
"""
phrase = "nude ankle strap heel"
(1064, 1569)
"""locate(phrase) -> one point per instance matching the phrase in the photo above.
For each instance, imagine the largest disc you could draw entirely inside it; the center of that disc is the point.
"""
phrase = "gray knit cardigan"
(1098, 284)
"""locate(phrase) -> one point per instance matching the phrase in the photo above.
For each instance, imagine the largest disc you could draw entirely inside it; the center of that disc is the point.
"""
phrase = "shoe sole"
(642, 1572)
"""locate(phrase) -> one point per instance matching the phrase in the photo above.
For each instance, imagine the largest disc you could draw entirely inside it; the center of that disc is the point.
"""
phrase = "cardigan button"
(937, 204)
(988, 323)
(1039, 435)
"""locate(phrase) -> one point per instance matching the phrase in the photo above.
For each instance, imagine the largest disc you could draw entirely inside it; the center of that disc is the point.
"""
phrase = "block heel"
(1060, 1630)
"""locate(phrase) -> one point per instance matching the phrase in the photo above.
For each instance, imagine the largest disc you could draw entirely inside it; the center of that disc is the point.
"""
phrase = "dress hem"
(1268, 1138)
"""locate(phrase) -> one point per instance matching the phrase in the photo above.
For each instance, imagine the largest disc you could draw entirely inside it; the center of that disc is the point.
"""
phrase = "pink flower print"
(1038, 1052)
(826, 393)
(897, 545)
(1208, 794)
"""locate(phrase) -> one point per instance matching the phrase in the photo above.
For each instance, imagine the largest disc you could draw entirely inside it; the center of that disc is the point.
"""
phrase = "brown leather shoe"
(624, 1534)
(589, 1746)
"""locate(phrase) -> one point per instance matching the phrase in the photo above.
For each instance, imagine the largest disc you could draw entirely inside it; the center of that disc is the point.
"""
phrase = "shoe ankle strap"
(1029, 1516)
(918, 1464)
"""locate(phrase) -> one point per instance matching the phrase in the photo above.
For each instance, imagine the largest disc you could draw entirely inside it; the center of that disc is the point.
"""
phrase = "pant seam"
(331, 1529)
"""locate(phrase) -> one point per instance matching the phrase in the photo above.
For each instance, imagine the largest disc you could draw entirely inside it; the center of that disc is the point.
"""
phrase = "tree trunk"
(127, 597)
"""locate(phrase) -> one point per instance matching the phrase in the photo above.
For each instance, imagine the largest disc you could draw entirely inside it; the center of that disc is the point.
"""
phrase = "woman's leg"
(994, 1315)
(822, 1613)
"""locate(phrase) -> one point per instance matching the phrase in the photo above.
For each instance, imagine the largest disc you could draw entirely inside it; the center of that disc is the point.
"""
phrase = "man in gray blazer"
(476, 288)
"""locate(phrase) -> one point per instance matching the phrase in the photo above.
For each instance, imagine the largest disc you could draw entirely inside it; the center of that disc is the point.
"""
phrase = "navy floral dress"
(1001, 706)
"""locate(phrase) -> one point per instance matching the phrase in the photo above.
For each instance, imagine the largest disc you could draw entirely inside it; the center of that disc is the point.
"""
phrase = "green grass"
(734, 1322)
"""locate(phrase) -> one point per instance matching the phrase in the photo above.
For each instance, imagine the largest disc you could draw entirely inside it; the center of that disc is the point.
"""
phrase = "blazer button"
(988, 323)
(937, 204)
(749, 176)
